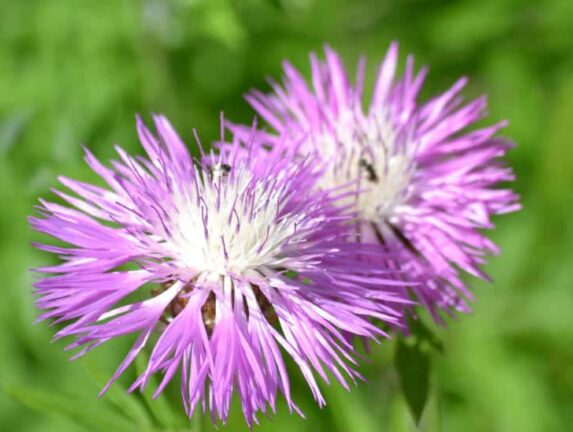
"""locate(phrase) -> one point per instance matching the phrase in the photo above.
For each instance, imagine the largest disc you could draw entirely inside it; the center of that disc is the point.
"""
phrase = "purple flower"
(235, 259)
(428, 184)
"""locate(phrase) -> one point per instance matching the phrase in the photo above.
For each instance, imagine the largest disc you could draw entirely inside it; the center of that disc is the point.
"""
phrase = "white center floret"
(228, 223)
(367, 152)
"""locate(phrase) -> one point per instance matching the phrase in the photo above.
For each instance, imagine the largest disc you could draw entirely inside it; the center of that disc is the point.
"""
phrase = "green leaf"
(160, 406)
(424, 334)
(128, 404)
(348, 410)
(413, 367)
(86, 412)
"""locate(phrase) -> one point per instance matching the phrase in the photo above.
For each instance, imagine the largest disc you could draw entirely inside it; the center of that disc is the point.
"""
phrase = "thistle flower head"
(236, 261)
(428, 184)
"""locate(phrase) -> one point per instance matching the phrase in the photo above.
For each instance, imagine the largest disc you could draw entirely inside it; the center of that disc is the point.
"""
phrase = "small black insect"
(372, 177)
(220, 170)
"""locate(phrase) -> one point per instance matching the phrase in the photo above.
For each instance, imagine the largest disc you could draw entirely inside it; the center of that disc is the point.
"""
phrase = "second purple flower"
(426, 184)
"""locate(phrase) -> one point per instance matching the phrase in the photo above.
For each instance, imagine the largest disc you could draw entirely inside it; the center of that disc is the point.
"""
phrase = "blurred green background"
(75, 72)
